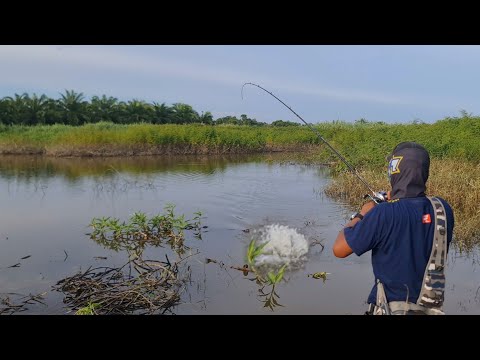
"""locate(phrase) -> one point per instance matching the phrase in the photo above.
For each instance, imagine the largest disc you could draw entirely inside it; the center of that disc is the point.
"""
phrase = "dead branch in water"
(153, 289)
(316, 242)
(10, 307)
(245, 267)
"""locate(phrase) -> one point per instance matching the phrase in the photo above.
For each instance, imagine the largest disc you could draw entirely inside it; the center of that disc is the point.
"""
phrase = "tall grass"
(114, 139)
(363, 144)
(368, 144)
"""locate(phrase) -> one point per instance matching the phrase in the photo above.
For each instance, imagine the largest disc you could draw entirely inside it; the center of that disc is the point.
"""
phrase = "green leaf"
(271, 277)
(259, 249)
(280, 273)
(250, 256)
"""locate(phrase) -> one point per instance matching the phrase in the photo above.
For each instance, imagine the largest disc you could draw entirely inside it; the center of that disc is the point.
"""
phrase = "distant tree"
(184, 114)
(284, 123)
(417, 121)
(75, 109)
(72, 109)
(163, 113)
(54, 114)
(206, 118)
(465, 114)
(103, 108)
(245, 120)
(361, 121)
(230, 120)
(35, 109)
(3, 110)
(14, 109)
(136, 111)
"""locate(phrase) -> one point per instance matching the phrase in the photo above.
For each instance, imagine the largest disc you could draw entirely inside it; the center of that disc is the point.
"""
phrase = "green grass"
(368, 144)
(141, 137)
(363, 144)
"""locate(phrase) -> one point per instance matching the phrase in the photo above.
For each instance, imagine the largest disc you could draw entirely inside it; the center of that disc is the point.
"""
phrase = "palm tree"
(163, 113)
(54, 114)
(137, 111)
(35, 109)
(74, 106)
(184, 113)
(103, 109)
(14, 108)
(206, 118)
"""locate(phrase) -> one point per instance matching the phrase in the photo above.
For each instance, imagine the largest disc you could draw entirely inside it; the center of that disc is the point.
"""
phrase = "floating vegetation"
(88, 310)
(19, 302)
(269, 254)
(253, 251)
(141, 231)
(245, 269)
(152, 288)
(319, 275)
(140, 286)
(270, 297)
(264, 279)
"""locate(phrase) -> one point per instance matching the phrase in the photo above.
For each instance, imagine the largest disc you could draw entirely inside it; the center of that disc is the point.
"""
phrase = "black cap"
(408, 169)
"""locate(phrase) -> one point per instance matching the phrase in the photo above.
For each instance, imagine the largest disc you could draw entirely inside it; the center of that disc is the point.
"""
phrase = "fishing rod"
(377, 197)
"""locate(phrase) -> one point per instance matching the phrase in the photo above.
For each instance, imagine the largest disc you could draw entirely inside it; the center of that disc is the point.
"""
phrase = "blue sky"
(320, 82)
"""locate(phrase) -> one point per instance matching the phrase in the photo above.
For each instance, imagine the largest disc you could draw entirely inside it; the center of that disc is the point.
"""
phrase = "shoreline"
(142, 150)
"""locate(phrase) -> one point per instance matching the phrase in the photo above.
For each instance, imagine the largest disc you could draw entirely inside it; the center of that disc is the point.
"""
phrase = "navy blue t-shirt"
(400, 242)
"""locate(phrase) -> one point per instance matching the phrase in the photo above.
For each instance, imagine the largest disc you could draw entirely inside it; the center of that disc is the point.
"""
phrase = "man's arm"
(341, 249)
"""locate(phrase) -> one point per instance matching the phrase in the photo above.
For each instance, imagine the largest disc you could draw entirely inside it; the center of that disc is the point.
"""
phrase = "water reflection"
(48, 203)
(31, 168)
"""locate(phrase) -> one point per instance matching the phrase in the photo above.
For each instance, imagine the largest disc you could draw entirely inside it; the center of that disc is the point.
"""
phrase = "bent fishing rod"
(377, 197)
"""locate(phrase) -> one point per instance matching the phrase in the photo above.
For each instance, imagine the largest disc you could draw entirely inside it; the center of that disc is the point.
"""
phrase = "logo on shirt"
(426, 219)
(393, 167)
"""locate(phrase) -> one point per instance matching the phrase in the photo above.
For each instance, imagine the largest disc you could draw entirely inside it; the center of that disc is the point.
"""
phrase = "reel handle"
(377, 197)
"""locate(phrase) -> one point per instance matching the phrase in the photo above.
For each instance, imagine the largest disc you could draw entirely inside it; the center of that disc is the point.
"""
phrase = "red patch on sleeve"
(426, 219)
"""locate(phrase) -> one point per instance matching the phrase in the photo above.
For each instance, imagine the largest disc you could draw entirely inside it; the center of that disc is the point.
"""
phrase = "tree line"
(73, 109)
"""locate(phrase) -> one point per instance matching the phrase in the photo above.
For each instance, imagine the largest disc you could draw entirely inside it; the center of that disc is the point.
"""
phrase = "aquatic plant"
(140, 230)
(140, 286)
(272, 278)
(88, 310)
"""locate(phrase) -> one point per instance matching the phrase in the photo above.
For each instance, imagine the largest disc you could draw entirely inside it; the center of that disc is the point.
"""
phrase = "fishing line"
(376, 196)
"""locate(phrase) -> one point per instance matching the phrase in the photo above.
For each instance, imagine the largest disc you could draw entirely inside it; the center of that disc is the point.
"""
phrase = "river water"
(47, 203)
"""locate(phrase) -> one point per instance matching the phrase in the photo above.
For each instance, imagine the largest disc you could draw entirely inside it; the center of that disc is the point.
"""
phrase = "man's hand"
(367, 207)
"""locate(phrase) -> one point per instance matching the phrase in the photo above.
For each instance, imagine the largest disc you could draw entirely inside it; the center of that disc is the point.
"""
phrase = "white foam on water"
(285, 246)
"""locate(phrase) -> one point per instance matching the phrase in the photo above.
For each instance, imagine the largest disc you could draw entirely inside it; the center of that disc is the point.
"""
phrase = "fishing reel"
(377, 197)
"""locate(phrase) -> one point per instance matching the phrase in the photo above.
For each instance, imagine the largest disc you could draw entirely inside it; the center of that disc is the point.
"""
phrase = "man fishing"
(409, 236)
